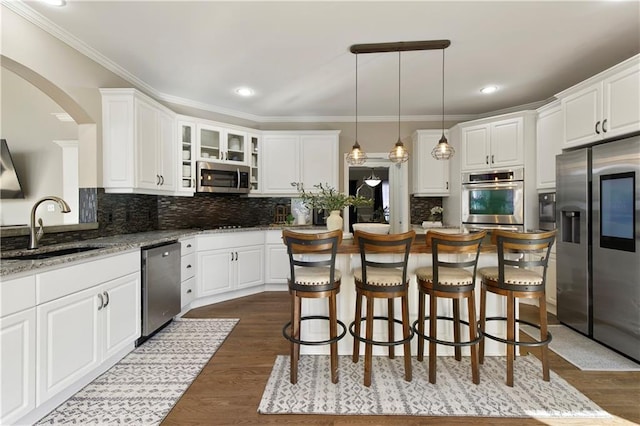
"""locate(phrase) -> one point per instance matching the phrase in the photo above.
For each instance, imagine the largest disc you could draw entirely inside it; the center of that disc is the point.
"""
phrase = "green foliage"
(327, 198)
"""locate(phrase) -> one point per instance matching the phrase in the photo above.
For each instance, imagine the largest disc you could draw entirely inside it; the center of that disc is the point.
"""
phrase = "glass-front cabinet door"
(187, 155)
(211, 143)
(236, 147)
(254, 141)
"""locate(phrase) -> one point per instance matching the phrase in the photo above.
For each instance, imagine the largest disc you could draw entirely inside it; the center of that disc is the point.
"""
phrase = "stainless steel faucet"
(34, 236)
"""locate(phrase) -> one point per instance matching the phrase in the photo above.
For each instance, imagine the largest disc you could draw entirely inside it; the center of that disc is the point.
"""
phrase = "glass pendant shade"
(399, 153)
(356, 156)
(443, 151)
(372, 180)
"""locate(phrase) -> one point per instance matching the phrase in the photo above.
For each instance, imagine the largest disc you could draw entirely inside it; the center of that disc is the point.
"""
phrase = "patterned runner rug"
(584, 353)
(143, 387)
(453, 395)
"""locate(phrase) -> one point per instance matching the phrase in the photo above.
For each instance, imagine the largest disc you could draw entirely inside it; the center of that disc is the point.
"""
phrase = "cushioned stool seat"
(447, 276)
(316, 275)
(513, 276)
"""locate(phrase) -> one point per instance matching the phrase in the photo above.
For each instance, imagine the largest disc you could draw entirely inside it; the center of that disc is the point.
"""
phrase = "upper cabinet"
(494, 143)
(187, 153)
(219, 144)
(254, 154)
(138, 143)
(304, 158)
(604, 106)
(549, 132)
(430, 176)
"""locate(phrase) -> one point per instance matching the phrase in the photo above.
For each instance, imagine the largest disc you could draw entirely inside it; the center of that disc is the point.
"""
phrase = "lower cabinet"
(276, 259)
(77, 332)
(227, 262)
(17, 365)
(187, 272)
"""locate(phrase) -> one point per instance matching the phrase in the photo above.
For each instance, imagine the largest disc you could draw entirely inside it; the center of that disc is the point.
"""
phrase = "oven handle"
(486, 227)
(493, 185)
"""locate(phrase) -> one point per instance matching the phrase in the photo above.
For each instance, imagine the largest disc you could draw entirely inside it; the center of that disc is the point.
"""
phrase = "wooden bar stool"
(449, 279)
(521, 273)
(382, 276)
(313, 274)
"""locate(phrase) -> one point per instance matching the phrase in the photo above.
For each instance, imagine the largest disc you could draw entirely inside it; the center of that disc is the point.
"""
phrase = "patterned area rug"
(453, 395)
(143, 387)
(583, 352)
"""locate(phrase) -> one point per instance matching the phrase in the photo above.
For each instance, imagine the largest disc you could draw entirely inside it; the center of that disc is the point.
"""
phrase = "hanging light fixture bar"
(400, 46)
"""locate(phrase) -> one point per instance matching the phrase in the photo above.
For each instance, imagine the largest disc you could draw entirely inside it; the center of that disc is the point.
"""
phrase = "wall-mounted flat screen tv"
(9, 183)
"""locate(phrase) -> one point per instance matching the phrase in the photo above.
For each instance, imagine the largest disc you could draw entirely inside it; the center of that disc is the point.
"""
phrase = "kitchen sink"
(49, 254)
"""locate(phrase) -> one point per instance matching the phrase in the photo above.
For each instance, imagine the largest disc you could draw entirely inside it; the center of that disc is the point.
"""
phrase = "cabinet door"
(507, 143)
(166, 151)
(236, 147)
(256, 172)
(210, 143)
(475, 147)
(121, 313)
(214, 271)
(622, 103)
(548, 145)
(276, 264)
(319, 160)
(147, 138)
(582, 112)
(17, 365)
(187, 155)
(430, 176)
(68, 345)
(281, 163)
(249, 265)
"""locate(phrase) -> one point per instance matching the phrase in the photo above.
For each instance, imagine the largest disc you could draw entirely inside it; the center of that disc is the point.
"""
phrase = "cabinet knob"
(188, 245)
(188, 266)
(598, 127)
(604, 125)
(188, 291)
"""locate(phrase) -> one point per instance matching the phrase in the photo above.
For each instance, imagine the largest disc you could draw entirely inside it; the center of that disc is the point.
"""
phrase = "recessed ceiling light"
(488, 89)
(58, 3)
(244, 91)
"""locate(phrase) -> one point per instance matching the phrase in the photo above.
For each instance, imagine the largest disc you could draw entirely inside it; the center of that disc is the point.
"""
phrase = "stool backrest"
(369, 244)
(534, 249)
(299, 243)
(443, 243)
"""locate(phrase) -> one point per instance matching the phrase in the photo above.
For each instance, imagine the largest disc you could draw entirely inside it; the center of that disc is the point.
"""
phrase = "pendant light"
(443, 151)
(372, 180)
(399, 153)
(357, 156)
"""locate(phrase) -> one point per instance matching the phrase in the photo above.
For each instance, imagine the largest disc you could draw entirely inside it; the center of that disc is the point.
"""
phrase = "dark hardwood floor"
(229, 388)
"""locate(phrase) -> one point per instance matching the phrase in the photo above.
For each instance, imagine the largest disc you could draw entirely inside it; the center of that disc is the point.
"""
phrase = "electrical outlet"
(51, 207)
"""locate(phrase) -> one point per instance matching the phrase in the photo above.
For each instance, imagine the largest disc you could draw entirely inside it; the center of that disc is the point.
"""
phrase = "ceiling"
(295, 54)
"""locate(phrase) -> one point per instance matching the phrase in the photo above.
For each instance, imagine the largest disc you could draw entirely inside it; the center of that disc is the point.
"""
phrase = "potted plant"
(435, 218)
(327, 198)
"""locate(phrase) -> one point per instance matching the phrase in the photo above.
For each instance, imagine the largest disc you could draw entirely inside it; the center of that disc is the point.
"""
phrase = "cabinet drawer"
(188, 291)
(187, 246)
(67, 280)
(17, 294)
(188, 266)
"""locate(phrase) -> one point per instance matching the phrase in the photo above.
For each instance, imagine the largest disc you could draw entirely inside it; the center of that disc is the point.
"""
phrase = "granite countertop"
(111, 245)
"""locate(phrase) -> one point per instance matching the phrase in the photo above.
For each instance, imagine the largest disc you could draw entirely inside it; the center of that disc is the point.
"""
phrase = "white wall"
(30, 130)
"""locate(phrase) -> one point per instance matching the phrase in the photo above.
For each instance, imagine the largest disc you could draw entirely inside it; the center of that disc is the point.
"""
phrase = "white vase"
(334, 221)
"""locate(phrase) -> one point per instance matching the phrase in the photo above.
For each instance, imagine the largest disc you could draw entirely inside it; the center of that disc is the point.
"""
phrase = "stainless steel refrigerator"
(598, 247)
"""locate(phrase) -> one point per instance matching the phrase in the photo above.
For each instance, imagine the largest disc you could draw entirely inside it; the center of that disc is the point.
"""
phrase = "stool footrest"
(378, 342)
(414, 327)
(287, 334)
(535, 343)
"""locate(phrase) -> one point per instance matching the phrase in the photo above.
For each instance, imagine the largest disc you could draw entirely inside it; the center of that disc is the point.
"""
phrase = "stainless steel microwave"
(223, 178)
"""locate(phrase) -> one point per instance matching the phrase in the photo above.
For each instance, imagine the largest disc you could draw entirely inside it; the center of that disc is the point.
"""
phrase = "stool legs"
(296, 307)
(333, 333)
(356, 343)
(473, 334)
(483, 320)
(421, 301)
(406, 332)
(456, 328)
(390, 327)
(511, 335)
(544, 349)
(368, 347)
(433, 333)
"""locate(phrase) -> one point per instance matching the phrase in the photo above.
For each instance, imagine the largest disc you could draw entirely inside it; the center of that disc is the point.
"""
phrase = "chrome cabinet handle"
(161, 180)
(447, 185)
(604, 125)
(101, 301)
(492, 159)
(157, 179)
(236, 255)
(598, 127)
(106, 295)
(486, 160)
(232, 256)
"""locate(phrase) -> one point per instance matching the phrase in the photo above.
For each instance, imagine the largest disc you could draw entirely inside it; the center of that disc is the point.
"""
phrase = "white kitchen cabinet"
(223, 145)
(76, 333)
(276, 259)
(187, 153)
(604, 106)
(138, 143)
(430, 176)
(227, 262)
(492, 144)
(17, 365)
(305, 158)
(187, 271)
(549, 132)
(254, 151)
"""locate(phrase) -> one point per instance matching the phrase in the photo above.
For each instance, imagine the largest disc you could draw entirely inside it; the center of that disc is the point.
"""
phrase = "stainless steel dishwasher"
(160, 286)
